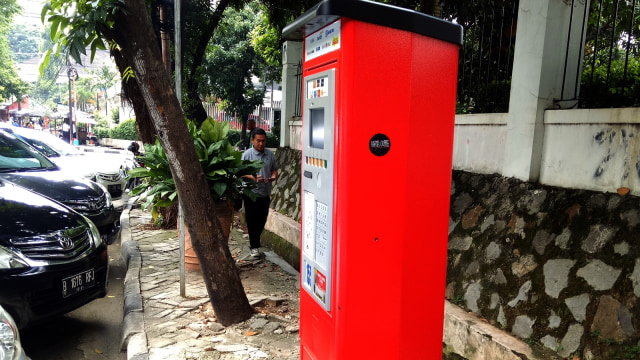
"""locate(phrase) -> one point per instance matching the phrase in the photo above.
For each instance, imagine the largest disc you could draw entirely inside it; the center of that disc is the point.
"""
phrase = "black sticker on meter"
(379, 144)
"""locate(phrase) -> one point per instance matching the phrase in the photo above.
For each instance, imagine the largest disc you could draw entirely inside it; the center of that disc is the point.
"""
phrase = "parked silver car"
(10, 346)
(105, 169)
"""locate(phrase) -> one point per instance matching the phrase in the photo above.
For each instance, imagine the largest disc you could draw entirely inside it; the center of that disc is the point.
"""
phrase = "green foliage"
(424, 6)
(76, 26)
(46, 86)
(23, 41)
(608, 341)
(632, 352)
(531, 341)
(272, 140)
(101, 129)
(266, 40)
(458, 300)
(98, 118)
(222, 165)
(85, 88)
(614, 90)
(125, 131)
(611, 76)
(231, 62)
(115, 115)
(158, 181)
(10, 82)
(101, 132)
(105, 77)
(275, 131)
(159, 221)
(234, 137)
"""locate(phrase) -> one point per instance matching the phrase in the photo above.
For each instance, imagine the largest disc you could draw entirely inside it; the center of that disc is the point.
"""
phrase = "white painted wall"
(478, 143)
(592, 149)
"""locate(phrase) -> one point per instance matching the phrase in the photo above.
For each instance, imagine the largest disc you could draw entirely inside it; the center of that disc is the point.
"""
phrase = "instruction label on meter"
(322, 41)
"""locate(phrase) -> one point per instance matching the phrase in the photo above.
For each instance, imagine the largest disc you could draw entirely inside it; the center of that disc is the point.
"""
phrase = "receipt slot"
(379, 90)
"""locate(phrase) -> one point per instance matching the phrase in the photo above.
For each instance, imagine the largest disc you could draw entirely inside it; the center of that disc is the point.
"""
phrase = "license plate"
(113, 187)
(77, 283)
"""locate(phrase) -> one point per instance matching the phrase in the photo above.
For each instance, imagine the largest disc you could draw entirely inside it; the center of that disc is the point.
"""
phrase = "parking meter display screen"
(316, 137)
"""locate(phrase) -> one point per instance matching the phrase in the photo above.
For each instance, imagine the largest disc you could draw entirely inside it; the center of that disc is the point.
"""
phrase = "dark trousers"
(255, 214)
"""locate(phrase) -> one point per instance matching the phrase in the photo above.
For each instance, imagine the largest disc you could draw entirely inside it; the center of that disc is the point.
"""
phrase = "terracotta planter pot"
(224, 211)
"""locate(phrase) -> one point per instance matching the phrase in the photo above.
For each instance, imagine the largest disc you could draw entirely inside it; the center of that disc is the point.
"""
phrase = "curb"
(133, 338)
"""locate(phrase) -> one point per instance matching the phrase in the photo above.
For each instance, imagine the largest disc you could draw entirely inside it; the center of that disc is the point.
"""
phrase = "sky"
(30, 12)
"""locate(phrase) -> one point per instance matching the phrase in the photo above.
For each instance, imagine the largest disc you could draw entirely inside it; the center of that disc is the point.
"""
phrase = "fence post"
(537, 80)
(291, 55)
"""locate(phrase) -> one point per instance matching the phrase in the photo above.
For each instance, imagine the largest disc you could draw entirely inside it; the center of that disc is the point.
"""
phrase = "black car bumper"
(108, 222)
(37, 294)
(110, 232)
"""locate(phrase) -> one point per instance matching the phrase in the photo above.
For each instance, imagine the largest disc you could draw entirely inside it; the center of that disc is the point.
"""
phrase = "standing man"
(256, 212)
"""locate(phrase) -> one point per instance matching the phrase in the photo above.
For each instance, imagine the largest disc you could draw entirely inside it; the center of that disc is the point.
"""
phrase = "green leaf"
(128, 74)
(221, 172)
(94, 47)
(214, 161)
(45, 10)
(45, 61)
(164, 203)
(138, 172)
(64, 23)
(215, 147)
(219, 188)
(55, 25)
(210, 131)
(225, 129)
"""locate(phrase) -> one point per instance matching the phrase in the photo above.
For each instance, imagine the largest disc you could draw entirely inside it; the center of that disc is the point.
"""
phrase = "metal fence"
(611, 60)
(608, 75)
(486, 56)
(265, 116)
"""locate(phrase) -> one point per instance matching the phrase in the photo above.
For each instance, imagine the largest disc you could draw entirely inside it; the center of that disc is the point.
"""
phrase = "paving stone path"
(178, 327)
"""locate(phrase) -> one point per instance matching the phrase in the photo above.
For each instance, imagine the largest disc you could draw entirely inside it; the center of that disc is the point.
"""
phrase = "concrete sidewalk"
(160, 324)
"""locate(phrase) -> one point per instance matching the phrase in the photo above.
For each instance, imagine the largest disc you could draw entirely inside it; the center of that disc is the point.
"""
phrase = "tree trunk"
(193, 106)
(133, 31)
(131, 94)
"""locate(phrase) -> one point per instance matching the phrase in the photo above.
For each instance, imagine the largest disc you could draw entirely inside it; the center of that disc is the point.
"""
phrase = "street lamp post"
(72, 74)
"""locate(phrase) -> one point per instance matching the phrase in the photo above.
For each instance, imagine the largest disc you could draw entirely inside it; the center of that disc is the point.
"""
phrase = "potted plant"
(222, 165)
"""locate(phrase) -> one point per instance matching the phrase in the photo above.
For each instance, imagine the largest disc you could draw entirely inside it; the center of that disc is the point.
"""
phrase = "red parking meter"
(379, 90)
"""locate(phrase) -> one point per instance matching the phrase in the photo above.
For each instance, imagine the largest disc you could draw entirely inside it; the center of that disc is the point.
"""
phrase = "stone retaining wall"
(556, 267)
(285, 197)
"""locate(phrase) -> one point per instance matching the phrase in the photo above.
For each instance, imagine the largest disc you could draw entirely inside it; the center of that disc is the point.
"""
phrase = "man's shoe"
(255, 253)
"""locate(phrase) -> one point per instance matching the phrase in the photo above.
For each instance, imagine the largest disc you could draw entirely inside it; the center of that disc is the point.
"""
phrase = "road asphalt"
(158, 323)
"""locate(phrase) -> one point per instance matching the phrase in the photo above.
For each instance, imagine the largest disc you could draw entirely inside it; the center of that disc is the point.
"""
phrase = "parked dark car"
(24, 166)
(105, 169)
(52, 259)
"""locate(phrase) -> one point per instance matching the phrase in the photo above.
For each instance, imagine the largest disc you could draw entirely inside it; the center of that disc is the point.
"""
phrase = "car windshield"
(18, 156)
(40, 146)
(47, 144)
